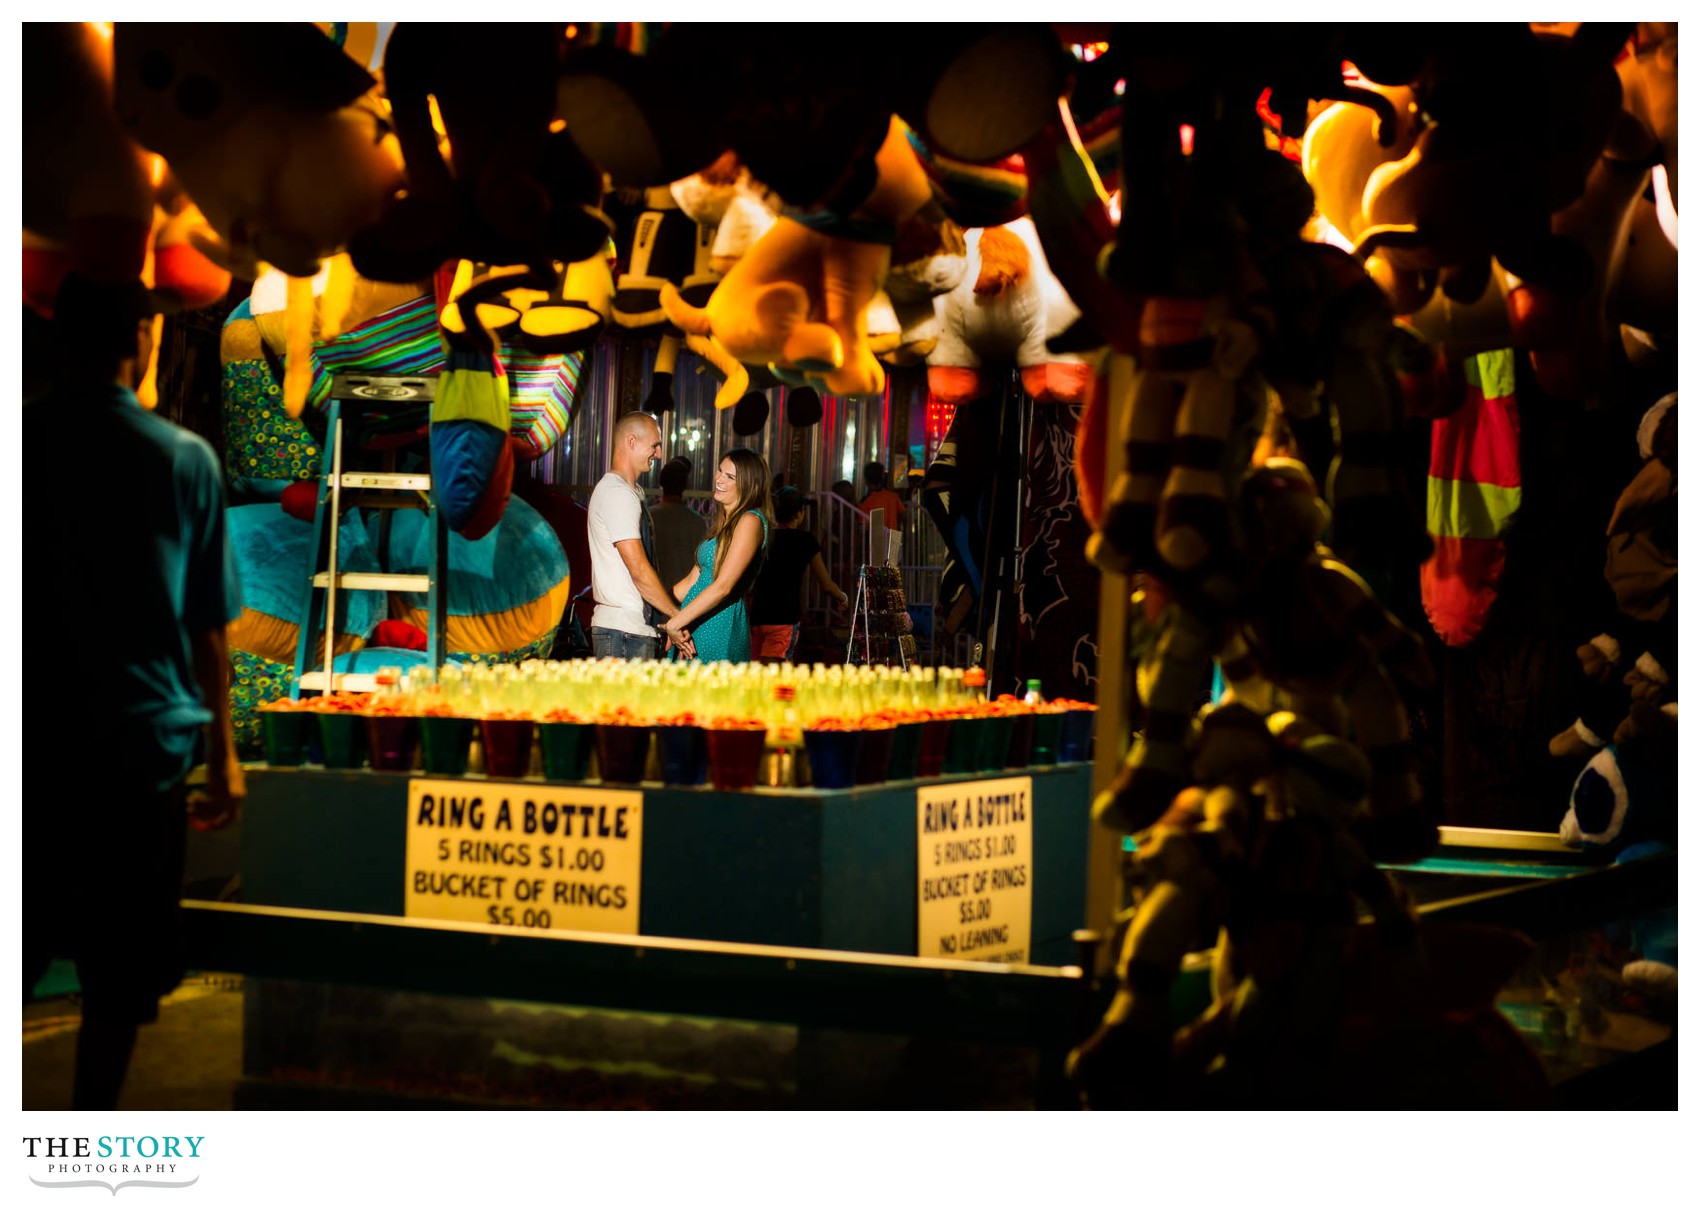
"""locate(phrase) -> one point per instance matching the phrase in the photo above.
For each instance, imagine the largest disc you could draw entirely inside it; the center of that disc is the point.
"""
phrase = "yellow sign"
(524, 854)
(975, 891)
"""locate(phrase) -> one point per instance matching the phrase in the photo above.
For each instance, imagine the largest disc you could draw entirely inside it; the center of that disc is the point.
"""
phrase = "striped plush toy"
(1474, 491)
(383, 328)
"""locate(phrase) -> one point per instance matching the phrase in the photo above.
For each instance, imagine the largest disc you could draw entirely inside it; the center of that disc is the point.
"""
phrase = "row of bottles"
(781, 698)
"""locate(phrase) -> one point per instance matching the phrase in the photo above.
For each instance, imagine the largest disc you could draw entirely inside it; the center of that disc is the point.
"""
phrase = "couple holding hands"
(703, 617)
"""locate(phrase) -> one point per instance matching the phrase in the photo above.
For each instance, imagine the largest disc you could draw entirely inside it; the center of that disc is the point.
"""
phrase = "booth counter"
(996, 864)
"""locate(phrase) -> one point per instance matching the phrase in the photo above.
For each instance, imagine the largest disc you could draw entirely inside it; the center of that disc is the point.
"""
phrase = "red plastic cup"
(622, 750)
(507, 748)
(391, 741)
(734, 757)
(873, 760)
(935, 743)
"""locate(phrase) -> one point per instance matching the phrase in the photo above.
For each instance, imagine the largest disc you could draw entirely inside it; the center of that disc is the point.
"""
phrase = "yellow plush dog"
(799, 298)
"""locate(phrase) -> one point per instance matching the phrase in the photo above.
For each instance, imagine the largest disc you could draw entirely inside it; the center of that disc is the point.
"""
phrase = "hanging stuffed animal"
(804, 112)
(1310, 636)
(799, 298)
(1630, 666)
(279, 137)
(672, 242)
(995, 319)
(1495, 132)
(390, 329)
(929, 259)
(1306, 634)
(93, 200)
(509, 187)
(1267, 822)
(267, 445)
(562, 310)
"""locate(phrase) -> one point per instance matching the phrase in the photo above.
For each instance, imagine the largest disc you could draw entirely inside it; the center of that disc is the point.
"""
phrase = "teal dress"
(724, 635)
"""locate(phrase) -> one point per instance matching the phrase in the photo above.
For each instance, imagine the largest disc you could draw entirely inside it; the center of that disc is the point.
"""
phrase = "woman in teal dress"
(711, 599)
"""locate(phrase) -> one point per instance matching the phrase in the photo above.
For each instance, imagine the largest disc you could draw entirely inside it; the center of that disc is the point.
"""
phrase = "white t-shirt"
(616, 514)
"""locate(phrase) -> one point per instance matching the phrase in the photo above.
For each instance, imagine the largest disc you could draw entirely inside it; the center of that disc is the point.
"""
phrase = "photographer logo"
(113, 1162)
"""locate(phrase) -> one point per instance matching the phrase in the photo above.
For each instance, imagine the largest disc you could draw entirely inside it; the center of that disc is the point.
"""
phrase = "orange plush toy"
(799, 298)
(1497, 130)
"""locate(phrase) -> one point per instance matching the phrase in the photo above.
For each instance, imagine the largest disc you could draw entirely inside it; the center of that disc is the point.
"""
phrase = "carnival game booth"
(1275, 400)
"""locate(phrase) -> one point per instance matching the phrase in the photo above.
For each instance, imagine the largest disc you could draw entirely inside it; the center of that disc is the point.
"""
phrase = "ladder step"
(374, 500)
(402, 582)
(355, 682)
(394, 481)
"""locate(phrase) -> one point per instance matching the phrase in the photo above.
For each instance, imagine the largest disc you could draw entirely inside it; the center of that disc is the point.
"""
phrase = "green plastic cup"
(343, 735)
(964, 751)
(287, 734)
(444, 741)
(566, 750)
(1047, 738)
(905, 750)
(995, 742)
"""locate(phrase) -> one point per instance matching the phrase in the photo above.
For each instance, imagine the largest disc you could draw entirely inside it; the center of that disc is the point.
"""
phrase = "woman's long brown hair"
(751, 479)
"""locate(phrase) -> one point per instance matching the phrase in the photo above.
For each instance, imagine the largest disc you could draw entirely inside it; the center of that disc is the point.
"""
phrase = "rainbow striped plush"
(542, 389)
(1475, 487)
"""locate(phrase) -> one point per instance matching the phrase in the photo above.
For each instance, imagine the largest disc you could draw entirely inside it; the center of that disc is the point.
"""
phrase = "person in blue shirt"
(132, 570)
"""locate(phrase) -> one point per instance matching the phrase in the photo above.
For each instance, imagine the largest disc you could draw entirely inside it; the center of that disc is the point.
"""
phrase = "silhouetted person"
(678, 527)
(776, 602)
(142, 577)
(880, 496)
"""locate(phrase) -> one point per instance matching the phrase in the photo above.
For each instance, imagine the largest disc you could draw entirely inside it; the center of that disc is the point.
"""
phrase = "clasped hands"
(680, 638)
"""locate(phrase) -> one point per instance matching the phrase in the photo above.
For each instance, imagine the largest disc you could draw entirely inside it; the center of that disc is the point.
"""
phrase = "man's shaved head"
(635, 425)
(637, 440)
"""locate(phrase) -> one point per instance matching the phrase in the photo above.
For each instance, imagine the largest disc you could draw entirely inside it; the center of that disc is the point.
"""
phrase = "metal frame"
(820, 988)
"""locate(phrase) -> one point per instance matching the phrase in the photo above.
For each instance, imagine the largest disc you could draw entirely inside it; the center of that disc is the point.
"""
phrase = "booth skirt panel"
(833, 869)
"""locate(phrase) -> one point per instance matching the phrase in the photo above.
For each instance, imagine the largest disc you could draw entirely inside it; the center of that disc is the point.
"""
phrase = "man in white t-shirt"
(623, 578)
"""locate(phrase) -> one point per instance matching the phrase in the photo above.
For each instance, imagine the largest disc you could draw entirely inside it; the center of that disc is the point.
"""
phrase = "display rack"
(881, 632)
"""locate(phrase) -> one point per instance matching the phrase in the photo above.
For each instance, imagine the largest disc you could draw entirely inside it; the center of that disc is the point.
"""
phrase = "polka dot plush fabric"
(261, 441)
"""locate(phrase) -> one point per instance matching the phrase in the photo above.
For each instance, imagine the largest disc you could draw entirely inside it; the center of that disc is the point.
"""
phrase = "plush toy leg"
(1192, 515)
(1126, 538)
(660, 397)
(1371, 522)
(179, 267)
(418, 224)
(334, 304)
(298, 352)
(1565, 331)
(1091, 437)
(1383, 732)
(1156, 767)
(1240, 671)
(851, 273)
(147, 392)
(759, 324)
(737, 379)
(569, 317)
(482, 306)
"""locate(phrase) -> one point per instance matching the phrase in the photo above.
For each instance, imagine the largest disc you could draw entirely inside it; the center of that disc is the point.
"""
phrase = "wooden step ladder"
(359, 407)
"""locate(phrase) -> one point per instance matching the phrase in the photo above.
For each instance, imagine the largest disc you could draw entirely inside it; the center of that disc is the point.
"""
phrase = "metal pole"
(336, 527)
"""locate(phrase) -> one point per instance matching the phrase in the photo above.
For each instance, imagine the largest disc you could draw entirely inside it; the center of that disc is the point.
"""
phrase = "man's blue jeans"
(606, 642)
